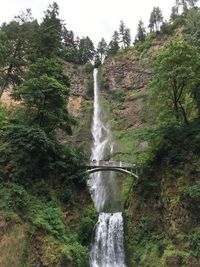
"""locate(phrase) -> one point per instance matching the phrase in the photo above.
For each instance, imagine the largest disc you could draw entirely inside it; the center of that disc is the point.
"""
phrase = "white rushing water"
(108, 246)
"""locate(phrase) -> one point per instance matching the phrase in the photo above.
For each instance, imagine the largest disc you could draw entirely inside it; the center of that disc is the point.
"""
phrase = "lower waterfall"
(107, 249)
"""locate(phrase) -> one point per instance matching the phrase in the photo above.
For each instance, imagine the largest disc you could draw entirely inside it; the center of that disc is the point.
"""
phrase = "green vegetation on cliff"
(159, 131)
(151, 95)
(42, 188)
(46, 214)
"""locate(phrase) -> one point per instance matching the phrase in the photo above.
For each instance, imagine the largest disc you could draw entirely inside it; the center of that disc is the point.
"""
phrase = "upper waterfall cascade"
(108, 245)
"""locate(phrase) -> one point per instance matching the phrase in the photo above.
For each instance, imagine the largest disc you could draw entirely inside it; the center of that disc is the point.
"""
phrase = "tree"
(186, 4)
(192, 3)
(127, 38)
(97, 62)
(192, 28)
(44, 94)
(141, 32)
(176, 69)
(156, 19)
(102, 49)
(152, 20)
(192, 34)
(174, 13)
(4, 54)
(70, 44)
(16, 44)
(28, 152)
(124, 35)
(50, 33)
(181, 5)
(69, 53)
(68, 38)
(86, 50)
(113, 46)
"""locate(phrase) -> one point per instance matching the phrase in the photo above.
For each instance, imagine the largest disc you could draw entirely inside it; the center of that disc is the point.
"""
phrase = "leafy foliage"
(44, 88)
(193, 191)
(29, 153)
(176, 68)
(46, 217)
(16, 45)
(194, 239)
(87, 226)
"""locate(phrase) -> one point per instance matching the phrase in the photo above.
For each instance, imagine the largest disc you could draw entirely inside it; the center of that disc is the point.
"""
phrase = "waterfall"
(107, 248)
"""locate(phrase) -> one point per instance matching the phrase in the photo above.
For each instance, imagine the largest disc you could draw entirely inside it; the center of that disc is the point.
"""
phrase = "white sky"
(93, 18)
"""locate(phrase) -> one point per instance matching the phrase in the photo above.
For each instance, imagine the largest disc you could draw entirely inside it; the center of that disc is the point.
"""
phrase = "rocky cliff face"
(80, 80)
(80, 83)
(125, 79)
(127, 72)
(80, 103)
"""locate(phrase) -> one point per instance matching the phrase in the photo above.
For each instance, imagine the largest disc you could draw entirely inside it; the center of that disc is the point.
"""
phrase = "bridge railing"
(110, 163)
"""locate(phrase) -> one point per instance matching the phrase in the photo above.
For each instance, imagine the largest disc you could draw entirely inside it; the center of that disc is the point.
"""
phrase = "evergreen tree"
(50, 33)
(152, 20)
(192, 3)
(141, 32)
(159, 17)
(127, 38)
(184, 6)
(68, 38)
(97, 61)
(86, 50)
(156, 19)
(124, 35)
(102, 49)
(113, 46)
(174, 13)
(69, 51)
(181, 5)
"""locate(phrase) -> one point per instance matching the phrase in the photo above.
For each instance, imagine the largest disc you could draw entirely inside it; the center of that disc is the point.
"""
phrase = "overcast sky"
(93, 18)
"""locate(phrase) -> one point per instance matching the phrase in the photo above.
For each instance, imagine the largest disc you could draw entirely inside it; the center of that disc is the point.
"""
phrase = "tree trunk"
(5, 82)
(184, 113)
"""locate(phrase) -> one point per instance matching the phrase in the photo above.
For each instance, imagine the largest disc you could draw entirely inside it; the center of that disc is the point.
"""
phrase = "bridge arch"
(115, 169)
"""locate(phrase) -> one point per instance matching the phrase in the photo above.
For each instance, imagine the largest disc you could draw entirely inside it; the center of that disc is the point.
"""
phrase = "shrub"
(87, 226)
(193, 191)
(27, 153)
(191, 197)
(49, 218)
(80, 254)
(194, 239)
(118, 95)
(14, 200)
(145, 45)
(175, 257)
(89, 87)
(89, 67)
(66, 195)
